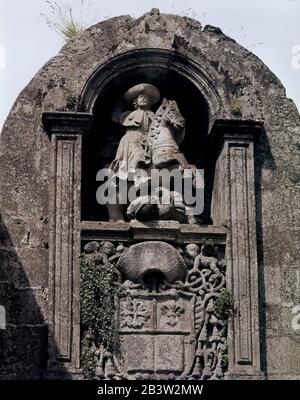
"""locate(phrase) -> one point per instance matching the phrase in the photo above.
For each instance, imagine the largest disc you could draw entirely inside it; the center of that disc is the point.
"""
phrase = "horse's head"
(171, 115)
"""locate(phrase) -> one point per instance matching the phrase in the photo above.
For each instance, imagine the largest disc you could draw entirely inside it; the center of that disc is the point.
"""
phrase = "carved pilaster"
(233, 204)
(65, 130)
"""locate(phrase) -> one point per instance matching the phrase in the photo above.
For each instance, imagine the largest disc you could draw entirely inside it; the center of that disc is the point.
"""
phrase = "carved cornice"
(233, 130)
(67, 122)
(170, 231)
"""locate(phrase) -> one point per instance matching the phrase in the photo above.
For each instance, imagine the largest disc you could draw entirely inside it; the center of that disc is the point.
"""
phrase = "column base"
(243, 376)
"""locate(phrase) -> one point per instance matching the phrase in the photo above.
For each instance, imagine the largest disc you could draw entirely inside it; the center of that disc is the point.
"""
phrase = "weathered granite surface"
(244, 87)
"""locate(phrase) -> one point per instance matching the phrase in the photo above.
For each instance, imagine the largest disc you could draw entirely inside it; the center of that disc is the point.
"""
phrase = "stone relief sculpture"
(151, 295)
(151, 142)
(172, 315)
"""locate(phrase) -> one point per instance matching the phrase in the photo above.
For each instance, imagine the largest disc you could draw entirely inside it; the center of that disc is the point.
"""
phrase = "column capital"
(67, 122)
(233, 130)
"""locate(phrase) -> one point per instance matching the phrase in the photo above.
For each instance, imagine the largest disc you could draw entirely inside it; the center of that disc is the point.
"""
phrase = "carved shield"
(156, 333)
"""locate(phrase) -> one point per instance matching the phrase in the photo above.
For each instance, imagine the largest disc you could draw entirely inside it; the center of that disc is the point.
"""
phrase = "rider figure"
(133, 151)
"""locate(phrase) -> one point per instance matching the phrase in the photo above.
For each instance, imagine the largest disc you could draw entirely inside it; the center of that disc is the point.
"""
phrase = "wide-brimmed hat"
(143, 88)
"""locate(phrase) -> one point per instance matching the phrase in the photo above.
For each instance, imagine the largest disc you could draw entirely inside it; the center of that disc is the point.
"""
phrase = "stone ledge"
(66, 122)
(170, 231)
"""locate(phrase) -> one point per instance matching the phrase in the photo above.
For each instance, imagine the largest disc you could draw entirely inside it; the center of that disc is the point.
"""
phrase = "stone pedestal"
(233, 205)
(168, 278)
(65, 130)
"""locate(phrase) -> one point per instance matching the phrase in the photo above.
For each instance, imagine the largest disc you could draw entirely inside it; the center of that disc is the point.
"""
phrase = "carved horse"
(166, 133)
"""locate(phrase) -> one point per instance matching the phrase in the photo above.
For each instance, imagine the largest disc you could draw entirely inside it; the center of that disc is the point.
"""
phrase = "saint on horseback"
(151, 142)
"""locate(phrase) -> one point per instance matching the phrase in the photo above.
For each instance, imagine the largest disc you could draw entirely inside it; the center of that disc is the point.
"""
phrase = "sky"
(269, 28)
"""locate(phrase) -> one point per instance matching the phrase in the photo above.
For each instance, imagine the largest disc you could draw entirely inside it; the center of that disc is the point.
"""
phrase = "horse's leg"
(116, 212)
(116, 209)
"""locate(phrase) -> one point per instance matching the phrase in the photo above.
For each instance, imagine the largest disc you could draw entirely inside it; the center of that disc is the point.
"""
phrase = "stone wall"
(245, 89)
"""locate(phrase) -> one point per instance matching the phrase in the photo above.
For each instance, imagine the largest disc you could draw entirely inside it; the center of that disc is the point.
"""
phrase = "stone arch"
(151, 58)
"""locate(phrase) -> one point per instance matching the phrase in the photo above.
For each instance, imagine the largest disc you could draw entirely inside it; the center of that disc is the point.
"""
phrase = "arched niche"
(178, 79)
(223, 147)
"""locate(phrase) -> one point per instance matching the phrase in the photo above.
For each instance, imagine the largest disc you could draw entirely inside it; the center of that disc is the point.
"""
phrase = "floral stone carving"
(171, 312)
(134, 314)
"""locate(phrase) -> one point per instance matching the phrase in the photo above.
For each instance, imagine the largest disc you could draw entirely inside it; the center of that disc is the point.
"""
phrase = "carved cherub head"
(107, 248)
(91, 247)
(209, 250)
(192, 250)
